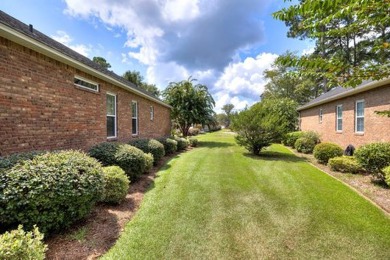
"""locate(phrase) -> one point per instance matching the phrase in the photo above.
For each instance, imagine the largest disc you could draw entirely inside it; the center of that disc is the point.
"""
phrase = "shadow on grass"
(211, 144)
(276, 156)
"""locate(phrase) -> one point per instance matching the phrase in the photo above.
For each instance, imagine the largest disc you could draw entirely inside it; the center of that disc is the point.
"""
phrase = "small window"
(151, 113)
(83, 83)
(134, 118)
(111, 115)
(320, 116)
(339, 118)
(359, 116)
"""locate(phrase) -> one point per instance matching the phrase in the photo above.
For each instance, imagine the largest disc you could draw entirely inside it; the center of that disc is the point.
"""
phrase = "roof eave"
(24, 40)
(369, 86)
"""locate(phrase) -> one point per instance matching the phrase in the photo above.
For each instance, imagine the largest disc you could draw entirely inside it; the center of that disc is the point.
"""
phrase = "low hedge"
(131, 159)
(346, 164)
(291, 138)
(52, 190)
(104, 152)
(170, 145)
(374, 157)
(182, 143)
(386, 172)
(21, 245)
(304, 145)
(116, 185)
(11, 160)
(193, 141)
(148, 161)
(150, 146)
(324, 151)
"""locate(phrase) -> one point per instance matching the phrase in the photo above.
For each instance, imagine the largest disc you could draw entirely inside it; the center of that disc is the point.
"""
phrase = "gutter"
(357, 90)
(26, 41)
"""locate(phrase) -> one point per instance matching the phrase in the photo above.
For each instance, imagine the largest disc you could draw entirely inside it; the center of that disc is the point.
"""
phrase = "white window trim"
(151, 113)
(115, 116)
(320, 115)
(356, 116)
(337, 118)
(88, 81)
(136, 117)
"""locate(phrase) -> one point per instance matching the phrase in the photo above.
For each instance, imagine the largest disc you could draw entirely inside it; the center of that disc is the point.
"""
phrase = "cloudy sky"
(224, 44)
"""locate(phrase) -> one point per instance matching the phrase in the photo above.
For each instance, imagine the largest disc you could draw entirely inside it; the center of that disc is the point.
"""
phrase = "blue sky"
(224, 44)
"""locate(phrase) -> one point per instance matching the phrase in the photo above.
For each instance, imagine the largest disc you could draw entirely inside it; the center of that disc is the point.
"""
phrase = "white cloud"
(65, 39)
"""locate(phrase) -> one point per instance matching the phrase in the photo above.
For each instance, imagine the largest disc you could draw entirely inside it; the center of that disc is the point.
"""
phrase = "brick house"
(51, 97)
(347, 115)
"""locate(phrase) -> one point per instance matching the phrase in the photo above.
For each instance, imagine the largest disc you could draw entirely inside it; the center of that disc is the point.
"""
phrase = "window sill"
(339, 132)
(359, 133)
(111, 139)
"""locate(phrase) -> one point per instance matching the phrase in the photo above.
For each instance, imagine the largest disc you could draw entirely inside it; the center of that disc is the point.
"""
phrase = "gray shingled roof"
(44, 39)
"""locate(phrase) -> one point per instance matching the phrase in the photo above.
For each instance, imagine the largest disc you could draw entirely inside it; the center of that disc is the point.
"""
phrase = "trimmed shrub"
(291, 138)
(22, 245)
(374, 157)
(170, 145)
(312, 135)
(182, 143)
(344, 164)
(324, 151)
(386, 172)
(9, 161)
(194, 131)
(148, 161)
(116, 184)
(104, 152)
(304, 145)
(193, 142)
(150, 146)
(52, 190)
(131, 160)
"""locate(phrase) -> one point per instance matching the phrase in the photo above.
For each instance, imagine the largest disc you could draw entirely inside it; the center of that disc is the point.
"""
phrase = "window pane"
(360, 109)
(134, 109)
(339, 112)
(110, 105)
(339, 124)
(110, 126)
(360, 124)
(134, 126)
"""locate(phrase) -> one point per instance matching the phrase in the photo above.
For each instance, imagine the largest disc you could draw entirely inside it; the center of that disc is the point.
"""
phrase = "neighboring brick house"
(51, 97)
(347, 115)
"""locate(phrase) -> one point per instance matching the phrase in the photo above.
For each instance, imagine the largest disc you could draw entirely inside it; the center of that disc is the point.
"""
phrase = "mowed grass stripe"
(219, 202)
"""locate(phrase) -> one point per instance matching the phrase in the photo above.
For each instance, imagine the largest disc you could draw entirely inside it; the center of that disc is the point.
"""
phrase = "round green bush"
(314, 136)
(182, 143)
(291, 138)
(170, 145)
(344, 164)
(22, 245)
(386, 172)
(150, 146)
(131, 160)
(374, 157)
(52, 190)
(9, 161)
(324, 151)
(104, 152)
(148, 161)
(304, 145)
(193, 142)
(116, 184)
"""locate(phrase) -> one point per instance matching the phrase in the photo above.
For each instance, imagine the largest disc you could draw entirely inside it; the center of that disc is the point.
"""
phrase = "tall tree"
(136, 78)
(228, 108)
(352, 39)
(191, 103)
(102, 61)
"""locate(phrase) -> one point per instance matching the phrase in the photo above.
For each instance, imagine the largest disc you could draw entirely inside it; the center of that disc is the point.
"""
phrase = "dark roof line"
(31, 32)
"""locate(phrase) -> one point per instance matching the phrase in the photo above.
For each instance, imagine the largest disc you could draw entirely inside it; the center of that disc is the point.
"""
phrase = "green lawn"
(218, 202)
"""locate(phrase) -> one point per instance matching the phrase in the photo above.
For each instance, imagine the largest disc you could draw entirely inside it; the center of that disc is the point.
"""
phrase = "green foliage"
(324, 151)
(193, 131)
(131, 160)
(136, 78)
(10, 161)
(104, 152)
(193, 141)
(228, 108)
(102, 62)
(52, 190)
(291, 138)
(386, 172)
(150, 146)
(182, 143)
(170, 145)
(116, 184)
(21, 245)
(374, 157)
(304, 145)
(344, 164)
(191, 104)
(265, 122)
(148, 161)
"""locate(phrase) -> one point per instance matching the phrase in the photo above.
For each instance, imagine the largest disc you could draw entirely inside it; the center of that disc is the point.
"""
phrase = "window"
(83, 83)
(134, 121)
(320, 116)
(359, 116)
(151, 113)
(339, 118)
(111, 115)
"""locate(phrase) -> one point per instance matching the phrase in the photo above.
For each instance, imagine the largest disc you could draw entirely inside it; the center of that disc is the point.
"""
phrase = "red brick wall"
(41, 108)
(377, 128)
